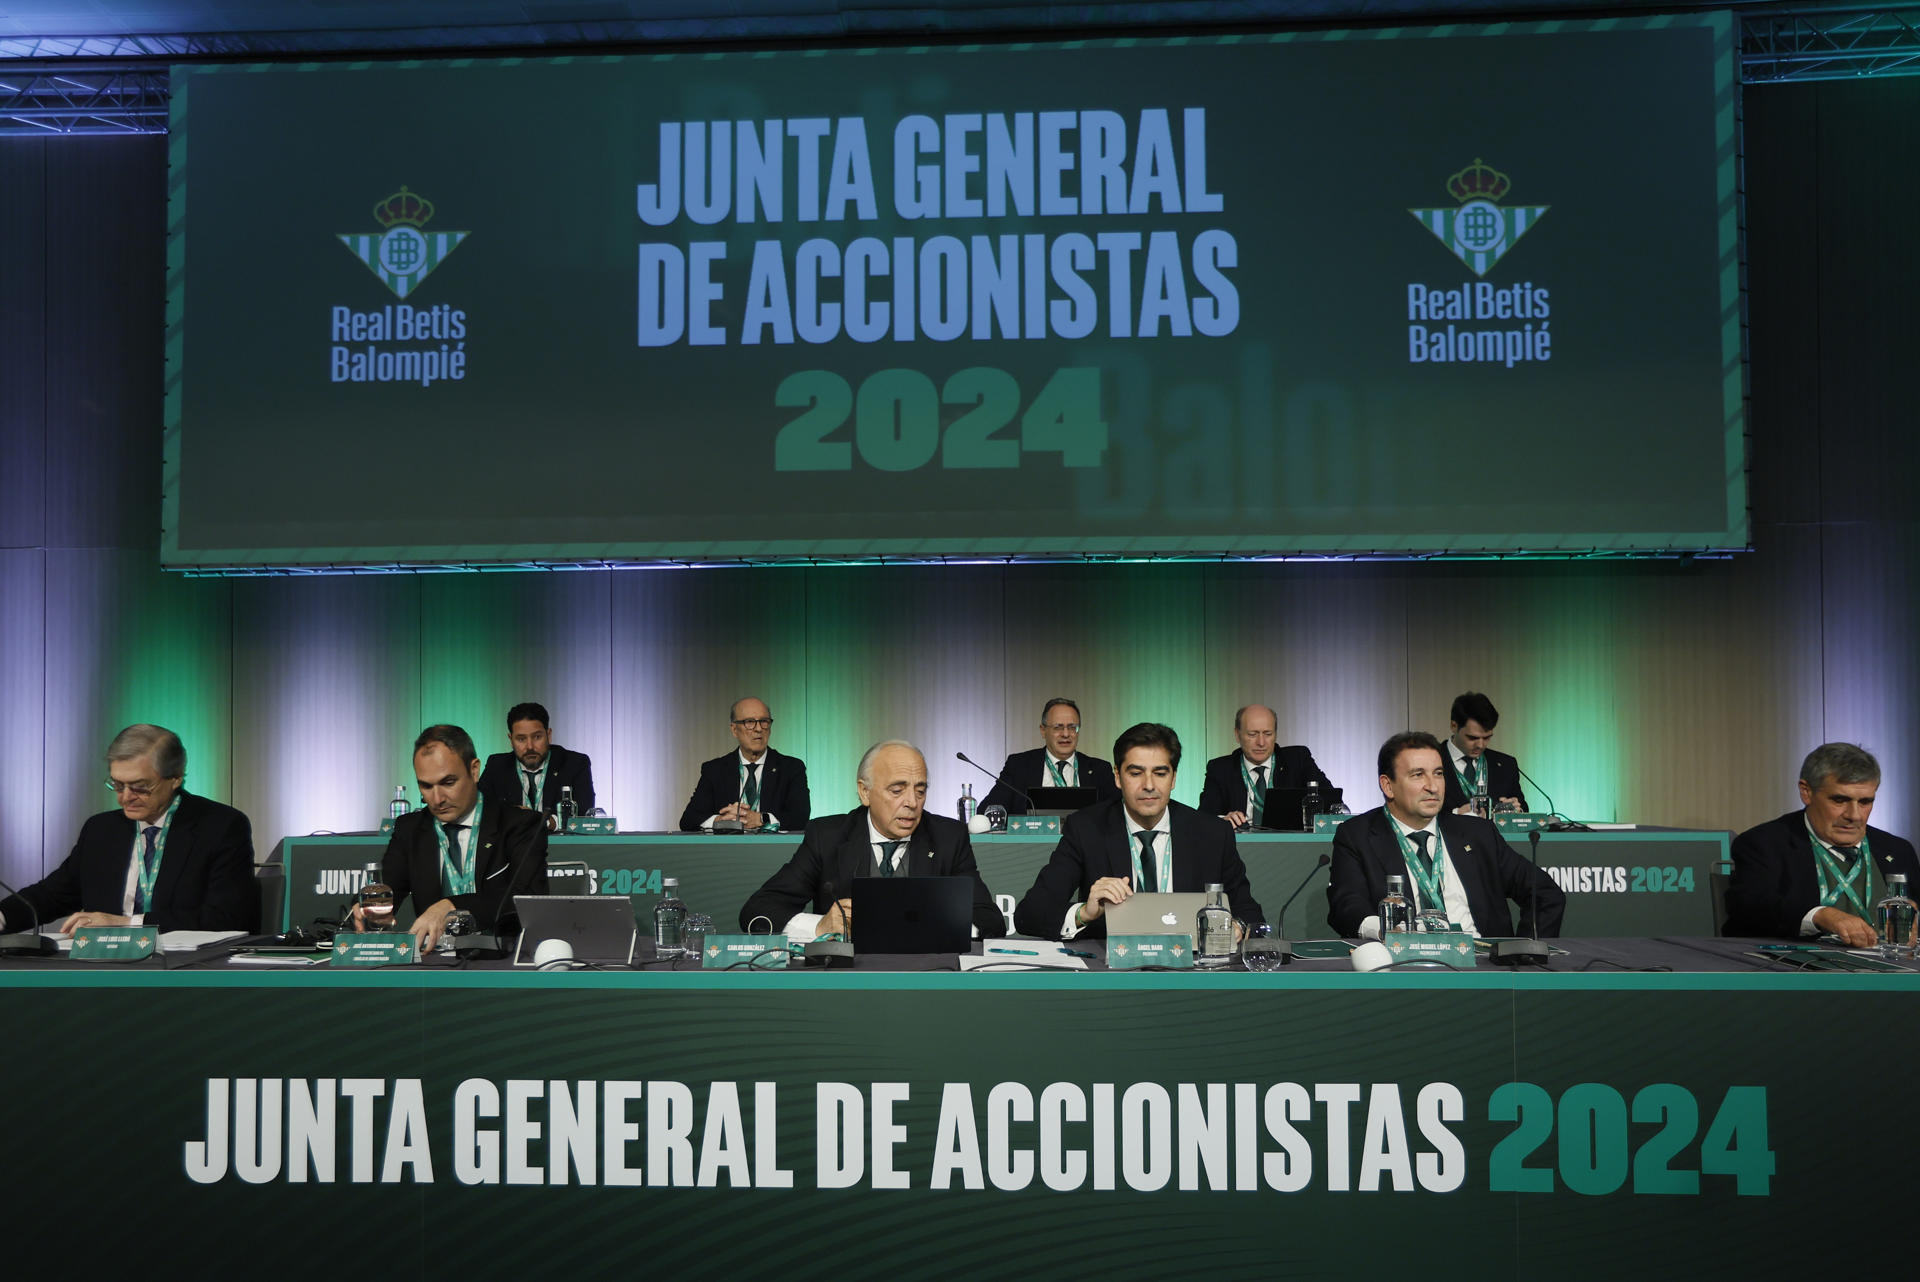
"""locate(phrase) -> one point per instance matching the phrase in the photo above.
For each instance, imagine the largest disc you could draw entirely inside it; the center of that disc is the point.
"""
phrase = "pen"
(1018, 952)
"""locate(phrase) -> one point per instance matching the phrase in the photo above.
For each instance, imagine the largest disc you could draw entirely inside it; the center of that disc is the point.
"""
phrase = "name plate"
(1323, 824)
(375, 948)
(594, 826)
(1047, 824)
(1449, 948)
(1130, 952)
(1520, 823)
(114, 943)
(761, 952)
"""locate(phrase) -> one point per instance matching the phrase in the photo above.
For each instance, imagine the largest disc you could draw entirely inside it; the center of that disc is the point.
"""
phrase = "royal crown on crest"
(1478, 181)
(412, 209)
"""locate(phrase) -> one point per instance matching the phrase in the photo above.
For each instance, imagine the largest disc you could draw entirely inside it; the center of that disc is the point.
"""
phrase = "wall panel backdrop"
(1665, 692)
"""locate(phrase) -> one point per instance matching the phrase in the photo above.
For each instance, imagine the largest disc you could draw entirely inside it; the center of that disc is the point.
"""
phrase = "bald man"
(1238, 783)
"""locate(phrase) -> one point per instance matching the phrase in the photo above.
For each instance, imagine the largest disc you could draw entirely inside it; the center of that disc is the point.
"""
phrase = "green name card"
(375, 948)
(115, 943)
(386, 826)
(1130, 952)
(1323, 824)
(1048, 824)
(760, 952)
(1521, 823)
(1449, 948)
(594, 826)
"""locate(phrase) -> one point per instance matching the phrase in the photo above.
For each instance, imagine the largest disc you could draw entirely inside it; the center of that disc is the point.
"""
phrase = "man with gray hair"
(890, 834)
(759, 788)
(163, 858)
(1818, 870)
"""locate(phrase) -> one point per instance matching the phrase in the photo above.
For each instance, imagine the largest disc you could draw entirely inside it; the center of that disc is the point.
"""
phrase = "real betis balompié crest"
(1479, 230)
(403, 255)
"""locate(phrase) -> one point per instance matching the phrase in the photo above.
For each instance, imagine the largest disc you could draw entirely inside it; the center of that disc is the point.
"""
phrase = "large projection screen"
(1455, 290)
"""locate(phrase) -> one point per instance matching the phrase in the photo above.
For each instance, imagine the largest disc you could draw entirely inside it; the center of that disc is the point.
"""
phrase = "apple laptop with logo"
(1155, 915)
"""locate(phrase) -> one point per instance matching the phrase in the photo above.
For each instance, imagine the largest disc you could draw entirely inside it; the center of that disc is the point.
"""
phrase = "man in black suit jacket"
(1058, 763)
(505, 781)
(761, 788)
(1473, 768)
(165, 858)
(809, 896)
(1227, 791)
(1476, 874)
(1118, 848)
(1784, 888)
(436, 856)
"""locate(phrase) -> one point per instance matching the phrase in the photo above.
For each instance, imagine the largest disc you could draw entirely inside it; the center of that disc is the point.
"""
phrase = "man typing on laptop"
(1139, 842)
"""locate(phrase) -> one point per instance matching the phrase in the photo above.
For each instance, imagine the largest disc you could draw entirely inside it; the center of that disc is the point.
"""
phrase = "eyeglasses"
(755, 723)
(1072, 727)
(142, 789)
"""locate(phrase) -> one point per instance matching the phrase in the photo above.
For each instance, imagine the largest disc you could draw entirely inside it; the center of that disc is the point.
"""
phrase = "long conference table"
(1641, 882)
(1656, 1107)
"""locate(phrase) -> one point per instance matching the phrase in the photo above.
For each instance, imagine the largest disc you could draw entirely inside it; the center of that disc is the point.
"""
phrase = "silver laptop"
(1171, 914)
(601, 928)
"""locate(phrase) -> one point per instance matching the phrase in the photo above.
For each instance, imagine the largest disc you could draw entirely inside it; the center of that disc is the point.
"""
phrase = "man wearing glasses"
(1057, 763)
(761, 789)
(165, 858)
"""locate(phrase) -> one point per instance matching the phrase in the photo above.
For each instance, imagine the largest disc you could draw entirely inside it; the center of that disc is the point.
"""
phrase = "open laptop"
(1060, 801)
(912, 915)
(601, 928)
(1166, 914)
(1285, 808)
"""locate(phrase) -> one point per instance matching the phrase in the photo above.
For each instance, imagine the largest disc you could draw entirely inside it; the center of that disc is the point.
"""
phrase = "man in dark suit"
(1237, 784)
(165, 858)
(1455, 864)
(759, 787)
(1057, 763)
(1819, 870)
(534, 774)
(890, 834)
(462, 853)
(1473, 768)
(1142, 841)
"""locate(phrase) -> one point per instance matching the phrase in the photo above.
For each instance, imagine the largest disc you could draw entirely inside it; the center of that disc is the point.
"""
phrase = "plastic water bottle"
(1396, 910)
(967, 804)
(568, 810)
(1893, 917)
(399, 806)
(1213, 942)
(1310, 806)
(669, 921)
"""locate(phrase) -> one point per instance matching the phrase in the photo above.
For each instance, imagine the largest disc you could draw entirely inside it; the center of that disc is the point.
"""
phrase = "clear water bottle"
(376, 901)
(399, 806)
(967, 805)
(569, 810)
(1310, 806)
(1396, 910)
(1213, 942)
(669, 921)
(1893, 917)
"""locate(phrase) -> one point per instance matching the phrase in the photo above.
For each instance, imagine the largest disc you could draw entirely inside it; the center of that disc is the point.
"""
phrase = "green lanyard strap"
(150, 872)
(1256, 795)
(1059, 775)
(1466, 772)
(1429, 874)
(459, 881)
(1837, 883)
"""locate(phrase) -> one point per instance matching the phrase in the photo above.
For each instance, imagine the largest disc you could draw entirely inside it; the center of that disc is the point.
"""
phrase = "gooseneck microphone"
(28, 942)
(1565, 824)
(1526, 952)
(998, 777)
(1280, 921)
(830, 953)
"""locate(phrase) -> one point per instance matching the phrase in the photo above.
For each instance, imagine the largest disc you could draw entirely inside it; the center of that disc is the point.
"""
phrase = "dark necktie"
(1259, 793)
(1149, 875)
(146, 866)
(453, 844)
(1470, 774)
(751, 793)
(1847, 853)
(886, 856)
(533, 790)
(1419, 840)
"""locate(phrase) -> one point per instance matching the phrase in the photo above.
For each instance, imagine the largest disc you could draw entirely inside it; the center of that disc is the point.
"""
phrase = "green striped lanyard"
(1837, 882)
(1259, 801)
(1468, 784)
(1429, 879)
(460, 882)
(1059, 775)
(150, 873)
(1162, 857)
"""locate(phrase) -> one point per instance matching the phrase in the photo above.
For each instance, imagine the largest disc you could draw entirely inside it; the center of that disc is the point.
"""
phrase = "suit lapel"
(1485, 899)
(921, 859)
(855, 856)
(1116, 846)
(179, 850)
(1386, 850)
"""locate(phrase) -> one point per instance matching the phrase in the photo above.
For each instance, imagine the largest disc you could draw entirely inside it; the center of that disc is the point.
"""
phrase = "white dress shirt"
(1452, 892)
(767, 821)
(1069, 770)
(1162, 863)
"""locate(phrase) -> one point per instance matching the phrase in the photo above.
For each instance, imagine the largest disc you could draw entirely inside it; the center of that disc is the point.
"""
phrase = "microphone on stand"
(1526, 952)
(1565, 824)
(1280, 922)
(1276, 945)
(829, 953)
(26, 942)
(997, 778)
